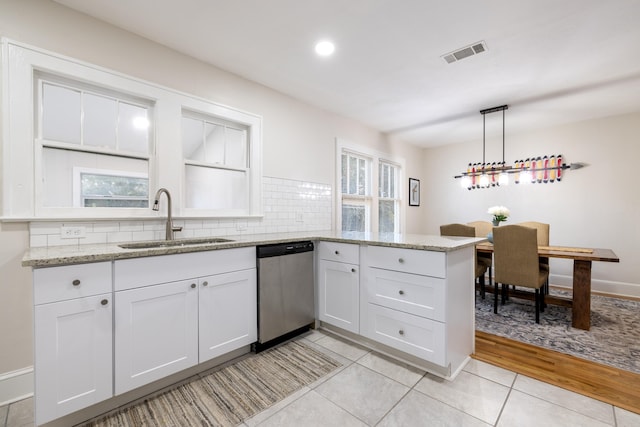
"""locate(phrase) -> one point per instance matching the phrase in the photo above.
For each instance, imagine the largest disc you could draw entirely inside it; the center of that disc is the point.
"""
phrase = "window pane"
(100, 121)
(61, 113)
(362, 177)
(214, 135)
(353, 218)
(353, 175)
(386, 216)
(345, 175)
(62, 176)
(236, 148)
(392, 182)
(108, 190)
(211, 188)
(133, 129)
(192, 139)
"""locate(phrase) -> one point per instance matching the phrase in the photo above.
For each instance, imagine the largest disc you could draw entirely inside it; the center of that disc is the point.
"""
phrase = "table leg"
(581, 311)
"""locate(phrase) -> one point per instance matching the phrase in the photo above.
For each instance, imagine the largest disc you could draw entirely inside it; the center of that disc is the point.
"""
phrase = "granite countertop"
(78, 254)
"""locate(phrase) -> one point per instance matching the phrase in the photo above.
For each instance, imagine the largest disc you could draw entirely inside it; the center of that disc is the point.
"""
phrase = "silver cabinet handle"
(401, 332)
(337, 252)
(401, 292)
(104, 302)
(205, 283)
(353, 270)
(76, 282)
(401, 260)
(193, 285)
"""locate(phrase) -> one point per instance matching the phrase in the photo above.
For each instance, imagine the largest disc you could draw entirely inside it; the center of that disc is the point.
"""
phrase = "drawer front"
(339, 252)
(415, 335)
(53, 284)
(408, 260)
(138, 272)
(411, 293)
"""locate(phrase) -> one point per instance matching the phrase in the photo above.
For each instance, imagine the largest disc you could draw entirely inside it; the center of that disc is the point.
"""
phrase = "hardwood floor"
(601, 382)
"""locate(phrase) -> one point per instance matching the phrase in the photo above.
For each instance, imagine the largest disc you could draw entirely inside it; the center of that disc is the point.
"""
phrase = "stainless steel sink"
(172, 243)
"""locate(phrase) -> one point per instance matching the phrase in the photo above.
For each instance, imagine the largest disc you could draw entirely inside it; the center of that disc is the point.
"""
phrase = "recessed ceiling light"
(325, 48)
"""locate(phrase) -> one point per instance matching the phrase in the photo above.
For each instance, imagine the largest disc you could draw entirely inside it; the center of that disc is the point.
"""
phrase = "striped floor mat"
(230, 395)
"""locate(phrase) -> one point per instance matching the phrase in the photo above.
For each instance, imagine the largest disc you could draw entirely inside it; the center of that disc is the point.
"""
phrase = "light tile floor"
(372, 390)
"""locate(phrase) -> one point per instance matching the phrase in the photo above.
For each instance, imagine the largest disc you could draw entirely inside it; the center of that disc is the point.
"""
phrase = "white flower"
(500, 213)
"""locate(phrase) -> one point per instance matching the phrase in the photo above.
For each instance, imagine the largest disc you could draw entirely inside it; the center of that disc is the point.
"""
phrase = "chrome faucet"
(156, 207)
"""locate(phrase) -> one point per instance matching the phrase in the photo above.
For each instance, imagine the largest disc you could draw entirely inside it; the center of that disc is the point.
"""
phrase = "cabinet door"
(73, 355)
(156, 331)
(227, 312)
(338, 289)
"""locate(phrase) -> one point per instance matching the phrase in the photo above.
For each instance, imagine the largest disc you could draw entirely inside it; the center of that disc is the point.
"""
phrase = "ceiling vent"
(465, 52)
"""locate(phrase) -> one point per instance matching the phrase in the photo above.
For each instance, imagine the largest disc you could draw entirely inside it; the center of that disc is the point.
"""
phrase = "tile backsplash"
(289, 206)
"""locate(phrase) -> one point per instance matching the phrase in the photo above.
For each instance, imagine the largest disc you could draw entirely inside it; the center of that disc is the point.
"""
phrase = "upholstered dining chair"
(515, 255)
(462, 230)
(483, 228)
(543, 240)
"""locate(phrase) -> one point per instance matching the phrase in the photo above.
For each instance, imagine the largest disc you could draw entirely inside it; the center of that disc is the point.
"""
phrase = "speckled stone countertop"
(79, 254)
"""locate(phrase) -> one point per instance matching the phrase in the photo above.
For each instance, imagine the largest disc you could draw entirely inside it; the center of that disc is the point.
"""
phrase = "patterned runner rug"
(614, 338)
(230, 395)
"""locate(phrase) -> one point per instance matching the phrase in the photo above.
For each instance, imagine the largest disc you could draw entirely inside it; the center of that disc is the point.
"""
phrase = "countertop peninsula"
(78, 254)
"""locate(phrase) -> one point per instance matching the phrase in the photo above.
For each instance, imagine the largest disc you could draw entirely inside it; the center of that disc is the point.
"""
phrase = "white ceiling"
(551, 61)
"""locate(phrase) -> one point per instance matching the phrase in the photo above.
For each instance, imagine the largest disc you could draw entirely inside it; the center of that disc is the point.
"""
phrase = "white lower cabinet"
(227, 312)
(73, 332)
(338, 284)
(156, 332)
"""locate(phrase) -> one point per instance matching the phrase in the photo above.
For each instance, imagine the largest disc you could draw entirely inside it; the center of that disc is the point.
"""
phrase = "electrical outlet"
(68, 232)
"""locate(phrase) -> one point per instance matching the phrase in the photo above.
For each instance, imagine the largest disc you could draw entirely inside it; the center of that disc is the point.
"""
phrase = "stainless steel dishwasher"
(285, 292)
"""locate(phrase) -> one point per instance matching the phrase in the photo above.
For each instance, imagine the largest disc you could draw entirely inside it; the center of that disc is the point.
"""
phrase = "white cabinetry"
(73, 338)
(175, 311)
(420, 302)
(339, 285)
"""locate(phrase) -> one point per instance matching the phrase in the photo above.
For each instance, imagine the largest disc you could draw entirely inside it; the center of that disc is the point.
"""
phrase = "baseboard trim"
(615, 289)
(16, 385)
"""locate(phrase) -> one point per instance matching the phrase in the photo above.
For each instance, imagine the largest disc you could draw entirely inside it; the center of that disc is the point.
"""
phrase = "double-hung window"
(94, 146)
(370, 197)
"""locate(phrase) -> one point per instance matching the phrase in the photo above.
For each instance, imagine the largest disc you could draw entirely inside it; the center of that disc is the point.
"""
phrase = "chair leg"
(543, 304)
(537, 306)
(482, 288)
(505, 291)
(495, 298)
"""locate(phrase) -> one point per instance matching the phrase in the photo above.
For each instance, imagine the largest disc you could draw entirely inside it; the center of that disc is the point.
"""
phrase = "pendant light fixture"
(538, 169)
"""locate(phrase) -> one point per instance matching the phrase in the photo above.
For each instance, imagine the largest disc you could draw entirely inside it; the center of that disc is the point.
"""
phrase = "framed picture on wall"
(414, 192)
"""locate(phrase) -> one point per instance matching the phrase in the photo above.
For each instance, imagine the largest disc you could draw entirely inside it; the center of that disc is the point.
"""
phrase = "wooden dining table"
(580, 302)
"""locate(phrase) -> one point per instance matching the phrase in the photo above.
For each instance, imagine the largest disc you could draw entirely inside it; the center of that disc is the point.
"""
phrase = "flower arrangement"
(500, 213)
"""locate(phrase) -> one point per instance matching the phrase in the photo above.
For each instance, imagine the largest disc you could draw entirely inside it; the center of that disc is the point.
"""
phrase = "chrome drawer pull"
(205, 283)
(401, 292)
(193, 285)
(401, 260)
(401, 332)
(337, 252)
(76, 282)
(353, 270)
(104, 302)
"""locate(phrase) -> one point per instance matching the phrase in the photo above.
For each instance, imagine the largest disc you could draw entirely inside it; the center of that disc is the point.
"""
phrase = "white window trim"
(344, 145)
(22, 156)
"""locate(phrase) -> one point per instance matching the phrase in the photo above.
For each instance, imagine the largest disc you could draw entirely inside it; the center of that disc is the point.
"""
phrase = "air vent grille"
(465, 52)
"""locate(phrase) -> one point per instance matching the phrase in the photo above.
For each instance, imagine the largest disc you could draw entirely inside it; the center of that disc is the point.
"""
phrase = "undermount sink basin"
(172, 243)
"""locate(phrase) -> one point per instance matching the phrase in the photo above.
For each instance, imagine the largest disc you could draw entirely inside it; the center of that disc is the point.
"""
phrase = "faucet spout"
(170, 229)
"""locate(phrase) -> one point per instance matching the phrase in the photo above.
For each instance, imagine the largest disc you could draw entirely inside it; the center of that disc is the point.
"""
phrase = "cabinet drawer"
(408, 260)
(138, 272)
(415, 335)
(339, 252)
(72, 281)
(411, 293)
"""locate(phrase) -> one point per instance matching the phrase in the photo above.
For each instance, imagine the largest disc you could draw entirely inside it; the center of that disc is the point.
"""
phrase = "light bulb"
(525, 177)
(503, 179)
(325, 48)
(465, 182)
(484, 180)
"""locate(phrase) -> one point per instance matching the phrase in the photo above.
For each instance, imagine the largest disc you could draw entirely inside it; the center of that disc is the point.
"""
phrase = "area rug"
(614, 337)
(230, 395)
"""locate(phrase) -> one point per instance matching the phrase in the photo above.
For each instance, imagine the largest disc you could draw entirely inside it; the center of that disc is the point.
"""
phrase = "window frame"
(21, 154)
(373, 198)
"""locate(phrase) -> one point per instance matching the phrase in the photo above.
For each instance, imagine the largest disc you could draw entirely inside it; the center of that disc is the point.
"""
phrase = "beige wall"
(596, 206)
(298, 139)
